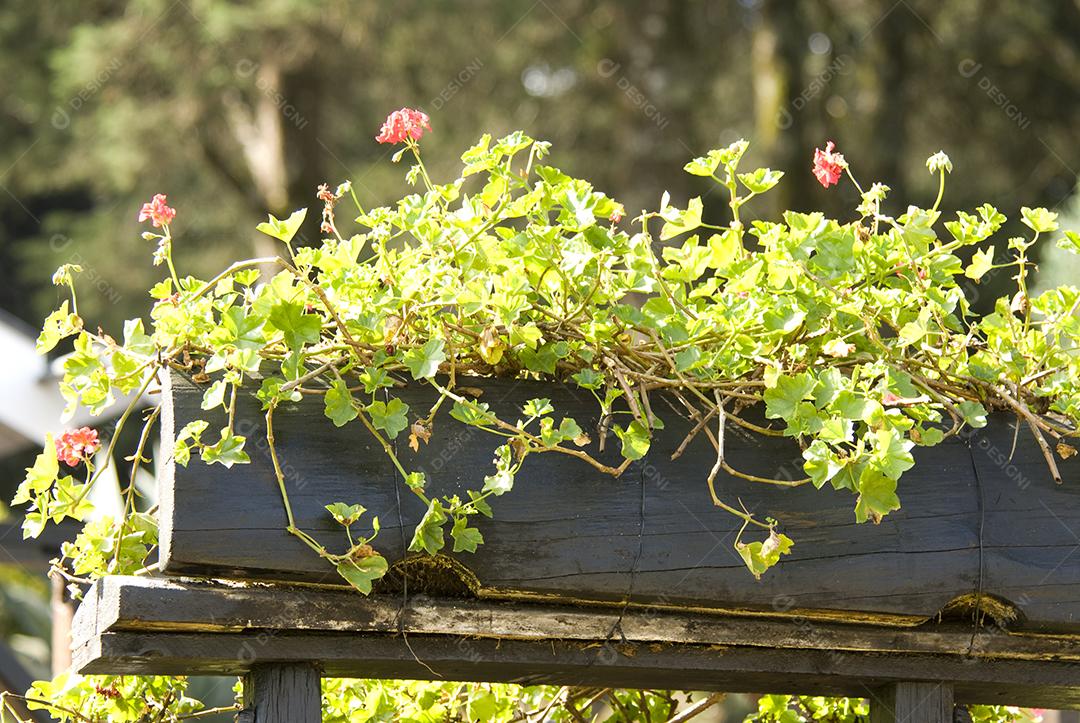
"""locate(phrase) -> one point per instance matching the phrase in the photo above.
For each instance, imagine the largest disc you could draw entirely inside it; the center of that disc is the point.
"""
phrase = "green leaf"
(429, 536)
(687, 358)
(544, 358)
(270, 392)
(188, 436)
(927, 436)
(821, 463)
(537, 407)
(724, 249)
(1039, 220)
(283, 230)
(981, 262)
(479, 503)
(298, 327)
(345, 514)
(682, 221)
(588, 379)
(423, 362)
(361, 573)
(551, 435)
(229, 450)
(761, 180)
(214, 396)
(502, 481)
(759, 556)
(58, 325)
(136, 339)
(391, 417)
(783, 399)
(41, 476)
(974, 413)
(635, 440)
(466, 539)
(877, 496)
(703, 165)
(1070, 242)
(854, 406)
(471, 412)
(243, 332)
(374, 379)
(892, 453)
(340, 407)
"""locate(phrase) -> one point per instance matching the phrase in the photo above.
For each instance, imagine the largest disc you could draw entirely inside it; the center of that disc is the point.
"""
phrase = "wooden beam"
(909, 702)
(147, 626)
(141, 604)
(735, 669)
(283, 693)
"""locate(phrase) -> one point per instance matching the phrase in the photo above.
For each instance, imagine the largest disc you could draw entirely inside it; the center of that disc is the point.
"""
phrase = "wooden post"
(912, 703)
(283, 693)
(61, 610)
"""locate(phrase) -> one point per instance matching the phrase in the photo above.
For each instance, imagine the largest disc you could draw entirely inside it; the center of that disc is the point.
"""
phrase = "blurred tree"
(238, 109)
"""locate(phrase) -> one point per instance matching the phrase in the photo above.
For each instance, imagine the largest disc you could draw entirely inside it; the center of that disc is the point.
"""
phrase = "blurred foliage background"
(236, 109)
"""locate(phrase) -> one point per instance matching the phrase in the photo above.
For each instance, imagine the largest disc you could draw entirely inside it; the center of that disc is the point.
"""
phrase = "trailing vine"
(855, 336)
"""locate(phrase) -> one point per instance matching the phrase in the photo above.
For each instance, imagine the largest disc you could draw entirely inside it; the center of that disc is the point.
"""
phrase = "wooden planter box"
(976, 525)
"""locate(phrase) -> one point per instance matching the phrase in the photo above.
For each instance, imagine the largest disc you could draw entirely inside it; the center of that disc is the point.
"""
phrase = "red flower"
(157, 212)
(77, 445)
(828, 166)
(402, 124)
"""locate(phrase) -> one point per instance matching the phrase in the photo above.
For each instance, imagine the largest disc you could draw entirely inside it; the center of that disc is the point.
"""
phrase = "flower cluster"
(157, 212)
(404, 124)
(75, 446)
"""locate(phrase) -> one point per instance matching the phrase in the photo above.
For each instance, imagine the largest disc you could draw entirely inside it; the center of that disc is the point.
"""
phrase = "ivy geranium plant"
(854, 335)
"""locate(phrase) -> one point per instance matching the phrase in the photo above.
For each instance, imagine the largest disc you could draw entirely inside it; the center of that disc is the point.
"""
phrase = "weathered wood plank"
(117, 604)
(283, 693)
(657, 665)
(650, 536)
(140, 625)
(908, 702)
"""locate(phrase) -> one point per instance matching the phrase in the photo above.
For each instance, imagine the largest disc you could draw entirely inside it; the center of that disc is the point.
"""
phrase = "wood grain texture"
(672, 666)
(283, 693)
(969, 525)
(909, 702)
(153, 626)
(139, 604)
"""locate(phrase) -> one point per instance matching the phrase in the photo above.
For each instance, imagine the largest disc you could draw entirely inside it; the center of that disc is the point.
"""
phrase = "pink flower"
(616, 215)
(157, 212)
(77, 445)
(828, 166)
(402, 124)
(889, 399)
